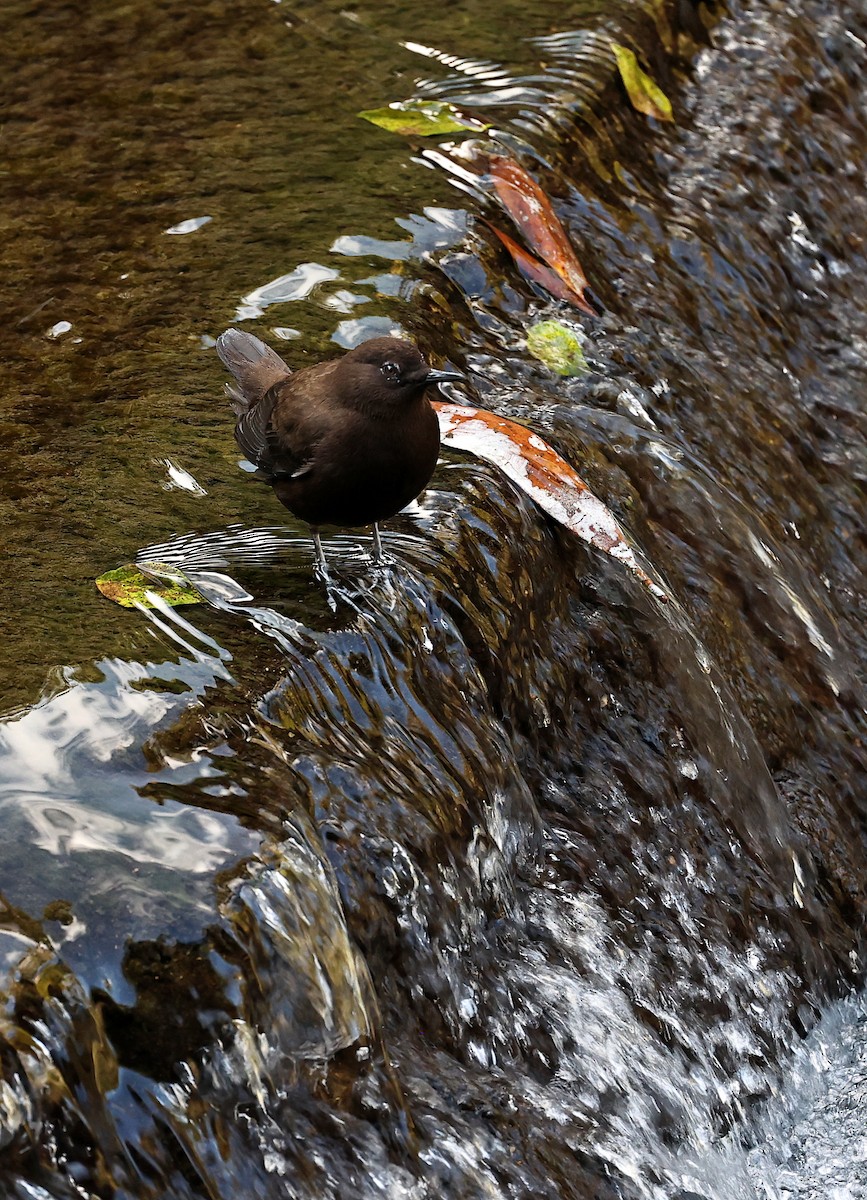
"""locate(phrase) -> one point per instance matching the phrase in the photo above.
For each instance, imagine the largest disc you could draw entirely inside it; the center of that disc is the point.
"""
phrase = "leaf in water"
(129, 585)
(533, 213)
(537, 272)
(557, 346)
(423, 118)
(644, 95)
(540, 472)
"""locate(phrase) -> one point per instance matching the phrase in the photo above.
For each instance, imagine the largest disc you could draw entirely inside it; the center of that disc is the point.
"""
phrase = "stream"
(486, 875)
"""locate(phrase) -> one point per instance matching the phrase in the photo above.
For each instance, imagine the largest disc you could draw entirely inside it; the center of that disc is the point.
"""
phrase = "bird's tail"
(255, 366)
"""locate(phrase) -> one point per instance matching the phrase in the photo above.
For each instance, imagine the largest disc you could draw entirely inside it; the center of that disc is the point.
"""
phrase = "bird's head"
(387, 373)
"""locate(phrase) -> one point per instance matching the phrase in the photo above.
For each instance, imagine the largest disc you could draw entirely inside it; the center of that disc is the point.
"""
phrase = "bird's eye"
(391, 371)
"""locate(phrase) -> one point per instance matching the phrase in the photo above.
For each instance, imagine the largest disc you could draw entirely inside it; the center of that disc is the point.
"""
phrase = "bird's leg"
(320, 566)
(320, 569)
(378, 554)
(321, 561)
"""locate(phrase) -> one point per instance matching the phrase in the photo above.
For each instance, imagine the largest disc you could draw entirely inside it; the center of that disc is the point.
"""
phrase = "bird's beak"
(444, 377)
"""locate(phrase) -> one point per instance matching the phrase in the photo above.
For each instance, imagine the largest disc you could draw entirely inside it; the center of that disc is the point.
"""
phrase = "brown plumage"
(346, 442)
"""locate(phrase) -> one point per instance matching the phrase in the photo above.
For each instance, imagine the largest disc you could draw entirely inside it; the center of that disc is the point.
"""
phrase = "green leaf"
(129, 585)
(644, 95)
(423, 118)
(557, 346)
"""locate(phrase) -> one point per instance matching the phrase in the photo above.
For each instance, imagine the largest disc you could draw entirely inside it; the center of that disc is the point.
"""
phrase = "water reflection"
(296, 285)
(75, 782)
(177, 477)
(190, 225)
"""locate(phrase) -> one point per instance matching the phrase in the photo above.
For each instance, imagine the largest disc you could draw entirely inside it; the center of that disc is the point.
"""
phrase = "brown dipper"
(346, 442)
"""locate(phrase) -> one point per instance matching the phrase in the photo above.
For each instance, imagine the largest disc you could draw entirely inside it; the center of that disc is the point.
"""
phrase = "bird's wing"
(297, 416)
(251, 430)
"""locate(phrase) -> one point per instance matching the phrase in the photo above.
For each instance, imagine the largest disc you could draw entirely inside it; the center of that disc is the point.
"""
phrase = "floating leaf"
(533, 213)
(557, 346)
(540, 472)
(129, 585)
(423, 118)
(537, 272)
(644, 95)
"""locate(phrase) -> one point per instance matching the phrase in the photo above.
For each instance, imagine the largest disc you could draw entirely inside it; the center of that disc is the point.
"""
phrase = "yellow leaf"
(558, 347)
(423, 118)
(644, 95)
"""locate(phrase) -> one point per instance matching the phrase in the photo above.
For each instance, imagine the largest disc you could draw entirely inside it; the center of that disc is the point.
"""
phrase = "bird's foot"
(333, 593)
(382, 562)
(321, 573)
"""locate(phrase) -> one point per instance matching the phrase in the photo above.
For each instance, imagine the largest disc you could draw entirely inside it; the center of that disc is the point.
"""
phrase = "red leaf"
(540, 472)
(533, 213)
(536, 271)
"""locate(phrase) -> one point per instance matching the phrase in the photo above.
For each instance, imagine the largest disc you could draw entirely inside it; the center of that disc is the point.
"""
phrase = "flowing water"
(484, 875)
